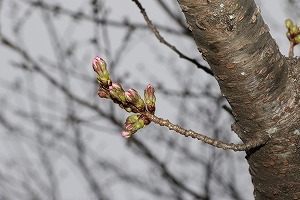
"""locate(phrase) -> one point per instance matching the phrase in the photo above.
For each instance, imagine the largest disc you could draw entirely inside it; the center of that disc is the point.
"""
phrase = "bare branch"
(216, 143)
(162, 40)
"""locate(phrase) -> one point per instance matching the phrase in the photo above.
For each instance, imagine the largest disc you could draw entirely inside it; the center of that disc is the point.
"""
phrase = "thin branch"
(291, 52)
(162, 40)
(216, 143)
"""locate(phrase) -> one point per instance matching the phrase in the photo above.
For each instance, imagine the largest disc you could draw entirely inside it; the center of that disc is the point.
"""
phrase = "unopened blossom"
(132, 119)
(103, 93)
(133, 123)
(116, 91)
(150, 98)
(126, 134)
(133, 97)
(103, 76)
(99, 65)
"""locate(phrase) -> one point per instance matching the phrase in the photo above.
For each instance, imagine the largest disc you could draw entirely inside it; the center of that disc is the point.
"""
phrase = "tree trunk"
(261, 85)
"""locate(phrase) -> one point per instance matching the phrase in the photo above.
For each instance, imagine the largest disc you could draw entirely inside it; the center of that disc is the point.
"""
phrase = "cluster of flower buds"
(293, 32)
(130, 100)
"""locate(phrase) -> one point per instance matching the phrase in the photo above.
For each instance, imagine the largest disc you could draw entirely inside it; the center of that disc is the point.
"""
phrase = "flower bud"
(131, 127)
(104, 79)
(126, 134)
(99, 66)
(288, 23)
(294, 30)
(116, 92)
(132, 119)
(133, 123)
(134, 126)
(102, 93)
(297, 39)
(150, 98)
(135, 99)
(140, 124)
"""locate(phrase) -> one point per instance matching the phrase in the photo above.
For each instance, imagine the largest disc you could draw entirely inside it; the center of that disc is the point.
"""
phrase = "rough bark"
(261, 85)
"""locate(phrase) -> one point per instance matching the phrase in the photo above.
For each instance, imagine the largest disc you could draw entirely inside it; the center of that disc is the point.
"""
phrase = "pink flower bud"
(134, 122)
(131, 95)
(130, 127)
(102, 93)
(126, 134)
(116, 92)
(99, 65)
(150, 98)
(135, 99)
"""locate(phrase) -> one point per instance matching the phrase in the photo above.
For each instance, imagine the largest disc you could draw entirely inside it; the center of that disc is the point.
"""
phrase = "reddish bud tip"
(102, 93)
(125, 134)
(99, 65)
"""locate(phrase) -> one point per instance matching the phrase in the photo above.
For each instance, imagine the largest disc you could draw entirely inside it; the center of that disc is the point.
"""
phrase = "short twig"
(291, 53)
(216, 143)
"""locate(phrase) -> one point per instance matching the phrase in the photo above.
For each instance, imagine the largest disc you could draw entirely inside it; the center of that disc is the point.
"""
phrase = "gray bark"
(261, 85)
